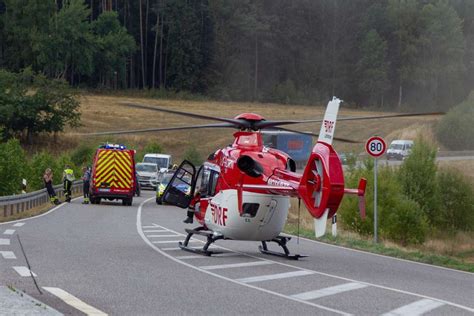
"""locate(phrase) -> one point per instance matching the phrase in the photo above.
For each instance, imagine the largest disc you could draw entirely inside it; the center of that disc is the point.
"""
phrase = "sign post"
(375, 147)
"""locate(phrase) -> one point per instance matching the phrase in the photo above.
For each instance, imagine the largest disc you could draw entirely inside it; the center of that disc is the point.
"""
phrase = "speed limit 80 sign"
(375, 146)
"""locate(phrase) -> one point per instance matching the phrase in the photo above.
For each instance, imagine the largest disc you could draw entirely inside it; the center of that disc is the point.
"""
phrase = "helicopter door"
(179, 190)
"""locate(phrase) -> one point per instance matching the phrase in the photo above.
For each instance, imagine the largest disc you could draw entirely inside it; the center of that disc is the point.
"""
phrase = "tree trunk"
(141, 45)
(157, 30)
(161, 48)
(255, 87)
(166, 59)
(400, 95)
(147, 5)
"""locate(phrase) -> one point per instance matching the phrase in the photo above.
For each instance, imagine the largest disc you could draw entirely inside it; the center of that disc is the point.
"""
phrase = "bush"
(456, 129)
(399, 218)
(13, 167)
(407, 225)
(150, 148)
(457, 201)
(417, 176)
(82, 155)
(38, 165)
(193, 156)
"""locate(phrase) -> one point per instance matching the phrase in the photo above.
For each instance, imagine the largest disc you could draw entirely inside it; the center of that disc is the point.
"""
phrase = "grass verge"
(369, 246)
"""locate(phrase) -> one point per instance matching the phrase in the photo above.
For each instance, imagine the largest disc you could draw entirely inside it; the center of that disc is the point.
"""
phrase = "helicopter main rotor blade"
(147, 130)
(345, 140)
(237, 123)
(270, 124)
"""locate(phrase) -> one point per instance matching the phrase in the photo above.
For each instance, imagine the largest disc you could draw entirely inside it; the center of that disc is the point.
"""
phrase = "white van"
(399, 149)
(163, 161)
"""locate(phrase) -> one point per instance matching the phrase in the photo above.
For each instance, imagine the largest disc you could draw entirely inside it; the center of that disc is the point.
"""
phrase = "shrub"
(417, 176)
(82, 155)
(38, 164)
(193, 156)
(13, 167)
(408, 225)
(399, 218)
(457, 201)
(151, 147)
(456, 128)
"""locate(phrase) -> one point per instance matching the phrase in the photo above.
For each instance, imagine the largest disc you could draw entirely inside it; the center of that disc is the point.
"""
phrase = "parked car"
(147, 174)
(399, 149)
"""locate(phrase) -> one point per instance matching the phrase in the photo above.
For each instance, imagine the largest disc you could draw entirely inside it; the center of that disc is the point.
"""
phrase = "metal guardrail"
(14, 204)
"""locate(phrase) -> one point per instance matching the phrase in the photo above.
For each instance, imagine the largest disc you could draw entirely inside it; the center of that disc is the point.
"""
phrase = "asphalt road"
(122, 260)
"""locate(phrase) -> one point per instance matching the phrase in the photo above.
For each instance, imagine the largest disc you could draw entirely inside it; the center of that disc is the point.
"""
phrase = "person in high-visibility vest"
(68, 177)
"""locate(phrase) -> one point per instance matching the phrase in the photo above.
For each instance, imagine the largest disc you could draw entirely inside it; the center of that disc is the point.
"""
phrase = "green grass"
(380, 248)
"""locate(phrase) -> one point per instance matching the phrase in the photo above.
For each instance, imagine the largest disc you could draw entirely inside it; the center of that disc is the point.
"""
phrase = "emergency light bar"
(113, 146)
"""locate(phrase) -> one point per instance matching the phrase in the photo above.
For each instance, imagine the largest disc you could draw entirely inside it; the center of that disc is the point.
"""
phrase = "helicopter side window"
(214, 179)
(208, 182)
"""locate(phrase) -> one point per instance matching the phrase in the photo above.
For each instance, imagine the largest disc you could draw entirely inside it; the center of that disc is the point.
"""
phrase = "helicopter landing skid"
(203, 232)
(281, 241)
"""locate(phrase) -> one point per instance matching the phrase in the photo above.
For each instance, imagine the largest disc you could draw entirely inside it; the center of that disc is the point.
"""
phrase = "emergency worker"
(86, 178)
(193, 208)
(48, 184)
(68, 177)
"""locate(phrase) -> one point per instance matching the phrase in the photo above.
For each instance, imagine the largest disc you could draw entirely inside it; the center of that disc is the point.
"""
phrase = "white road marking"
(166, 241)
(9, 232)
(24, 271)
(195, 247)
(8, 254)
(156, 231)
(160, 236)
(18, 224)
(275, 276)
(226, 254)
(236, 265)
(153, 226)
(416, 308)
(74, 301)
(4, 242)
(311, 295)
(160, 251)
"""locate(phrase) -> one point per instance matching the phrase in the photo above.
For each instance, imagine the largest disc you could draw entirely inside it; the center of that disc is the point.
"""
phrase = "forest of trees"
(405, 54)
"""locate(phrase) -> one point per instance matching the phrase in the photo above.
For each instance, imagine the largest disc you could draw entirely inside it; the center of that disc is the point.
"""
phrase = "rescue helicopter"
(243, 191)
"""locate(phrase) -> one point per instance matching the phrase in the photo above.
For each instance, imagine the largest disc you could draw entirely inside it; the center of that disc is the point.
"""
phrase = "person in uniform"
(68, 178)
(86, 178)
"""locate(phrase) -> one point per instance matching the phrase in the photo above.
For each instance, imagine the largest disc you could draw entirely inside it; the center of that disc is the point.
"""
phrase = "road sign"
(375, 146)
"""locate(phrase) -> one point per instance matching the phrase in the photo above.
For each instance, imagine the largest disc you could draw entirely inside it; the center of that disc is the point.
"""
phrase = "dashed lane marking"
(226, 254)
(276, 276)
(171, 241)
(74, 301)
(9, 232)
(195, 247)
(156, 231)
(236, 265)
(311, 295)
(18, 224)
(24, 271)
(152, 226)
(8, 254)
(161, 236)
(416, 308)
(4, 242)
